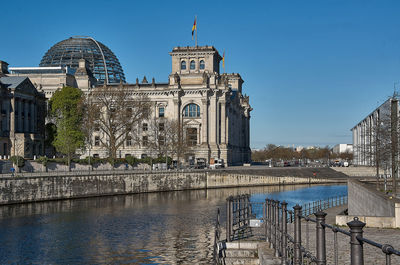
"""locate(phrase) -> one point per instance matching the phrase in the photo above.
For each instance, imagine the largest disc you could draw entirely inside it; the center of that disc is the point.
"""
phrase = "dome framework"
(101, 60)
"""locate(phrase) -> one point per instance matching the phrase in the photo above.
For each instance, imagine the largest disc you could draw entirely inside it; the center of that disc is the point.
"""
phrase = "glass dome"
(101, 60)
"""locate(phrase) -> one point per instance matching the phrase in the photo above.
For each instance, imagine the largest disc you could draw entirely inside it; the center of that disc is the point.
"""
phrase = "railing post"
(277, 245)
(272, 244)
(297, 235)
(249, 209)
(238, 208)
(356, 251)
(229, 216)
(284, 232)
(265, 218)
(321, 243)
(270, 221)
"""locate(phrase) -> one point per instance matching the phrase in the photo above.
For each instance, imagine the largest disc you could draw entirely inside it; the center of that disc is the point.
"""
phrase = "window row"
(202, 65)
(191, 139)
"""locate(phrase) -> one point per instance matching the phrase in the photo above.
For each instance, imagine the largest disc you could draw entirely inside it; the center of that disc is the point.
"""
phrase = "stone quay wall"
(365, 200)
(44, 188)
(372, 207)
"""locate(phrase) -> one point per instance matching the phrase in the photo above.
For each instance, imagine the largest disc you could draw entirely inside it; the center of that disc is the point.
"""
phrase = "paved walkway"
(372, 255)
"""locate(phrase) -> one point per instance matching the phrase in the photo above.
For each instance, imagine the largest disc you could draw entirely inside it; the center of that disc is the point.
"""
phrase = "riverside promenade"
(267, 241)
(372, 255)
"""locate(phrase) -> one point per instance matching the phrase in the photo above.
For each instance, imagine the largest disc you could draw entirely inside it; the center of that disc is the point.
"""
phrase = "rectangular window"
(145, 141)
(97, 141)
(161, 127)
(97, 127)
(161, 112)
(145, 127)
(129, 141)
(191, 136)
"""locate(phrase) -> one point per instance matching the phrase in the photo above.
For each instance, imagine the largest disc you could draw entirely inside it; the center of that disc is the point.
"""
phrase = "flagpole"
(223, 62)
(196, 30)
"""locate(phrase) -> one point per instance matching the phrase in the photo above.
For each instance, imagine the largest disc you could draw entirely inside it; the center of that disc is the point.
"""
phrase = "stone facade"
(49, 79)
(215, 113)
(22, 116)
(212, 106)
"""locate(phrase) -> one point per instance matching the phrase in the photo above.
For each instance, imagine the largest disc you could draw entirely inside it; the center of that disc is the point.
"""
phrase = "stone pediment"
(192, 122)
(22, 84)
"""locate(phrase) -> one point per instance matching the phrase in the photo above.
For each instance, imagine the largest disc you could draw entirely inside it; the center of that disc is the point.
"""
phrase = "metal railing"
(289, 245)
(320, 205)
(238, 210)
(217, 255)
(290, 248)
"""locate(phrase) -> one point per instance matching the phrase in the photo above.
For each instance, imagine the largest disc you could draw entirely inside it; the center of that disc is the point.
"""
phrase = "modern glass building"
(101, 60)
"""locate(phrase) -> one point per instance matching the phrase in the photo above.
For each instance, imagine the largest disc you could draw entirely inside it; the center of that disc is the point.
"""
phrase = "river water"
(153, 228)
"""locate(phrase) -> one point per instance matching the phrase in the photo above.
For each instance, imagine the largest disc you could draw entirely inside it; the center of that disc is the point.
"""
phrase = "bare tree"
(115, 112)
(167, 138)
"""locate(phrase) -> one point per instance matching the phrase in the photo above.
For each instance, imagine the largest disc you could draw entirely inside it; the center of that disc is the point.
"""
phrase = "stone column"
(226, 125)
(34, 115)
(213, 120)
(20, 126)
(1, 116)
(204, 121)
(248, 131)
(26, 120)
(32, 120)
(17, 111)
(11, 125)
(177, 113)
(7, 121)
(223, 122)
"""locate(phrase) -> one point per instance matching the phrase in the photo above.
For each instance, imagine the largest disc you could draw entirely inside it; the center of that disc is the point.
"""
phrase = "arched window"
(192, 110)
(202, 64)
(183, 65)
(192, 65)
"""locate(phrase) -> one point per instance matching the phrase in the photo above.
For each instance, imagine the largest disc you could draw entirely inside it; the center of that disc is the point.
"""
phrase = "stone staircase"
(360, 171)
(249, 253)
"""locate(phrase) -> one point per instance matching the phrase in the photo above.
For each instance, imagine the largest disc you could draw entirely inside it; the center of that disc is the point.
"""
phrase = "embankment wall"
(364, 200)
(43, 188)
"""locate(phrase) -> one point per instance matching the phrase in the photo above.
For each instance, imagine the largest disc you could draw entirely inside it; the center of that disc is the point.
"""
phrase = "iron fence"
(319, 205)
(288, 246)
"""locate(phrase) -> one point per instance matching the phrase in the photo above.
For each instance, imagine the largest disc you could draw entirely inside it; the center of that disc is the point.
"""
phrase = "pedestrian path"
(372, 255)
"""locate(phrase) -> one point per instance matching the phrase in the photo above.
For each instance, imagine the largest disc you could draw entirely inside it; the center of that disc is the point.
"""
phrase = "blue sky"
(312, 69)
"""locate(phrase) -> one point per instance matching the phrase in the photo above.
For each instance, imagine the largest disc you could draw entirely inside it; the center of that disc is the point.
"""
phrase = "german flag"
(223, 60)
(194, 27)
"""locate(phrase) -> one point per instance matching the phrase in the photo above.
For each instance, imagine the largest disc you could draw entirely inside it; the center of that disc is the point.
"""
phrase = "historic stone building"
(22, 116)
(211, 105)
(50, 78)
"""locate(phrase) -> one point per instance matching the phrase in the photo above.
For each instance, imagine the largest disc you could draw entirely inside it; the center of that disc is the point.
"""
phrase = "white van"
(218, 163)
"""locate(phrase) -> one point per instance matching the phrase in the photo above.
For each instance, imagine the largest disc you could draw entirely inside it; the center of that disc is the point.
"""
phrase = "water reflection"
(154, 228)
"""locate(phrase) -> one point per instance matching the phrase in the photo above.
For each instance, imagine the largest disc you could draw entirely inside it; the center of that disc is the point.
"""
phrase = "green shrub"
(19, 161)
(131, 160)
(44, 160)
